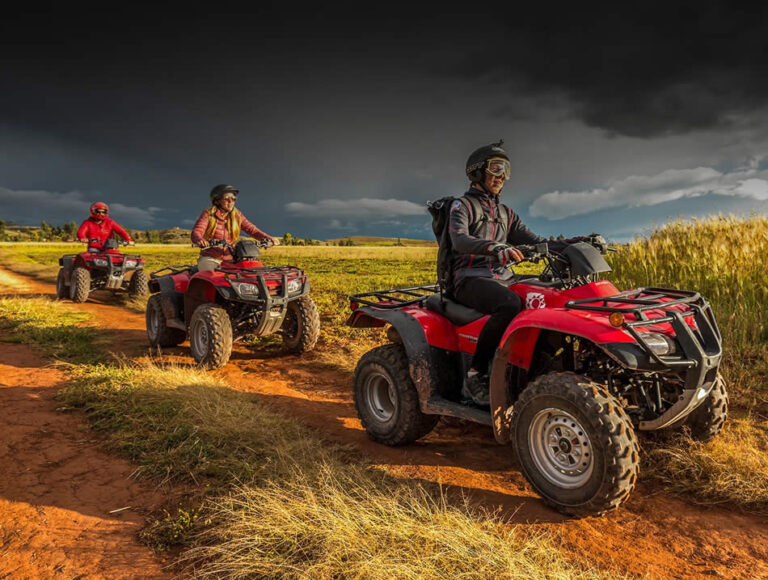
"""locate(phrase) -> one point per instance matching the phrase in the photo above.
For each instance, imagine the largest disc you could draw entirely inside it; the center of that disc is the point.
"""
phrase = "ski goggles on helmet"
(498, 167)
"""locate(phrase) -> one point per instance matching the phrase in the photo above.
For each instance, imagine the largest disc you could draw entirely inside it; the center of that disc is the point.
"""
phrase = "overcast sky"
(345, 118)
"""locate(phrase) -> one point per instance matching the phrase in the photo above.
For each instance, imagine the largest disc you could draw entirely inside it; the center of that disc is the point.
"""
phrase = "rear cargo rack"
(174, 269)
(395, 298)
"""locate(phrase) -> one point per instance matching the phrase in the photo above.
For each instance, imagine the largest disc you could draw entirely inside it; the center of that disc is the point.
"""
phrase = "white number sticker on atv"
(534, 300)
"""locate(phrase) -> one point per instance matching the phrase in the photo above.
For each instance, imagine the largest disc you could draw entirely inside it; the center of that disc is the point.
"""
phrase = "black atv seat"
(453, 311)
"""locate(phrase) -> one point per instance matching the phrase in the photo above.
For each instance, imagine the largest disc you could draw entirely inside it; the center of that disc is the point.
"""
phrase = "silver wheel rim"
(560, 448)
(380, 396)
(199, 339)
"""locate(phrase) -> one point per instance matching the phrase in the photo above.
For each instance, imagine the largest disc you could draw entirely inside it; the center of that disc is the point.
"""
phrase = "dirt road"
(653, 535)
(67, 508)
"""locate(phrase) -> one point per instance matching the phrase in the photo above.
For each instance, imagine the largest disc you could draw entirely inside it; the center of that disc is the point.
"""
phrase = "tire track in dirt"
(57, 488)
(652, 535)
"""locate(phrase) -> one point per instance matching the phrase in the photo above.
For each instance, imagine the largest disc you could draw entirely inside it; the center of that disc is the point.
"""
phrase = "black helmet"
(218, 191)
(477, 161)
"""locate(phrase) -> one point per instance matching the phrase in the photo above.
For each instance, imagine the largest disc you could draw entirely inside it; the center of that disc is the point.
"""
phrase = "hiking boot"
(475, 389)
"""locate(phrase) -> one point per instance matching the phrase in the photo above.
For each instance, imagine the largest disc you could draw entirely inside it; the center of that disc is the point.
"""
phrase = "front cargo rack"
(698, 343)
(395, 298)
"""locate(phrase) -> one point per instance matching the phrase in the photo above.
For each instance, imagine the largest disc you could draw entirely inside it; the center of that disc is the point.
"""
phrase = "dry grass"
(282, 502)
(731, 469)
(353, 523)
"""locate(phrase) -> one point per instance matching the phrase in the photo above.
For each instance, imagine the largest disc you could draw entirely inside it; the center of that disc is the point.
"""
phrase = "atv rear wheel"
(62, 290)
(575, 444)
(707, 419)
(210, 336)
(301, 326)
(158, 332)
(139, 284)
(80, 285)
(386, 399)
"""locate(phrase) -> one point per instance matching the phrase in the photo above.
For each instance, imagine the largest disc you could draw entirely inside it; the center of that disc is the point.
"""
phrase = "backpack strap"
(477, 215)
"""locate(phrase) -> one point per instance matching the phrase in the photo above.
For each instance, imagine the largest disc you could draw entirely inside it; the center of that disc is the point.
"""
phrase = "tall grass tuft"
(723, 258)
(354, 523)
(730, 469)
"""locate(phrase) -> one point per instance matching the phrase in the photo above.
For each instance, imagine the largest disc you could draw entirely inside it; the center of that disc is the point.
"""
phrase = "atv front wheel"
(139, 284)
(80, 285)
(386, 399)
(707, 420)
(210, 336)
(158, 332)
(62, 290)
(575, 444)
(301, 326)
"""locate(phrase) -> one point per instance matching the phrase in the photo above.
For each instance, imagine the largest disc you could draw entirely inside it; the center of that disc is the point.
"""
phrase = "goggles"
(229, 197)
(100, 211)
(498, 167)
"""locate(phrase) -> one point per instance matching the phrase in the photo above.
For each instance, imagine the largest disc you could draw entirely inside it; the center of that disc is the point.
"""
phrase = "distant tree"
(287, 239)
(69, 230)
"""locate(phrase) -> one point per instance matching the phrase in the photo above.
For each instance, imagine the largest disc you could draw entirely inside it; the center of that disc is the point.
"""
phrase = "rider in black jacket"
(483, 234)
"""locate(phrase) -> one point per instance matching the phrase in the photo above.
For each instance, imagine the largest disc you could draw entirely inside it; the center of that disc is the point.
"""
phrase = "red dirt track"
(60, 486)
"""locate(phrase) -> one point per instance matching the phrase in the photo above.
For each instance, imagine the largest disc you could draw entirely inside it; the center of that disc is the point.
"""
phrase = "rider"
(222, 221)
(480, 279)
(100, 227)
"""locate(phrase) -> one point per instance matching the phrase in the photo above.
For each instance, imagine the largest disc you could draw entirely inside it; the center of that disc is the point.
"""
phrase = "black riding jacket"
(473, 237)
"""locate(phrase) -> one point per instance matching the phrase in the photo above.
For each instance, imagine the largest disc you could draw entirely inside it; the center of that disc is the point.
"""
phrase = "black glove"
(505, 254)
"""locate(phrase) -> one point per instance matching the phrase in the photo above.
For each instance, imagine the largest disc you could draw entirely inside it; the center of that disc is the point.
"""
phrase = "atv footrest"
(441, 406)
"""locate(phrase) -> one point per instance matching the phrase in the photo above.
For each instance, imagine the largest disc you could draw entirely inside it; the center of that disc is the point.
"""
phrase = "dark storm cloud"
(318, 111)
(650, 70)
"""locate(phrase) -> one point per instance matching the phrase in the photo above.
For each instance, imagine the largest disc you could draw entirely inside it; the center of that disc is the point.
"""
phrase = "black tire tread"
(138, 284)
(309, 322)
(62, 290)
(413, 424)
(617, 434)
(166, 336)
(219, 332)
(80, 284)
(707, 420)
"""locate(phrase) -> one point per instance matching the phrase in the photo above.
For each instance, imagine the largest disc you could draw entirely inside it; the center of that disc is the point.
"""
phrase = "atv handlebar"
(261, 244)
(102, 245)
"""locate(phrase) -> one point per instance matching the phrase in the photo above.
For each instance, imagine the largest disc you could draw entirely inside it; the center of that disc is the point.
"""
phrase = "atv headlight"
(131, 263)
(100, 262)
(294, 286)
(246, 290)
(660, 344)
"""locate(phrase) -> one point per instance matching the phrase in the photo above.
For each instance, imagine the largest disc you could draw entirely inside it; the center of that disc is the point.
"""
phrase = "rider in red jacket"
(100, 227)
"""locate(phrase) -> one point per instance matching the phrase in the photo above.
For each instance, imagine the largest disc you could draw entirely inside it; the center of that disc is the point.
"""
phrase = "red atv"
(576, 374)
(105, 267)
(242, 297)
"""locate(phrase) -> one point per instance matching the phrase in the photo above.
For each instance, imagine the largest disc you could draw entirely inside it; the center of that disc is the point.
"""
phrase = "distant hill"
(10, 232)
(379, 241)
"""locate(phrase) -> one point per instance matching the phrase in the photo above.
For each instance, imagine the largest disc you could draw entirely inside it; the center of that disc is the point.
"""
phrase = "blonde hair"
(233, 224)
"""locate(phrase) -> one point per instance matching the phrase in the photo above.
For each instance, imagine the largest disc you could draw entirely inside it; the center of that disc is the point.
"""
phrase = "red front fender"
(519, 340)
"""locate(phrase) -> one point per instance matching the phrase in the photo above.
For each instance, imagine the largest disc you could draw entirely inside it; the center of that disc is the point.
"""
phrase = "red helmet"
(102, 208)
